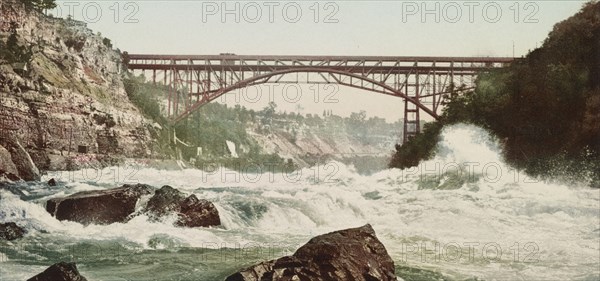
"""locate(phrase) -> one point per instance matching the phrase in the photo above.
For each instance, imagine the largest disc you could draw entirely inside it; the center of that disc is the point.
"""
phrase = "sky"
(394, 28)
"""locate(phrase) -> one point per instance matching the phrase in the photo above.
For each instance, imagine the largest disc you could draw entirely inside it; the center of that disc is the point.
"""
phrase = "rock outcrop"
(191, 211)
(22, 160)
(98, 206)
(7, 167)
(119, 205)
(10, 231)
(351, 254)
(61, 271)
(15, 162)
(69, 107)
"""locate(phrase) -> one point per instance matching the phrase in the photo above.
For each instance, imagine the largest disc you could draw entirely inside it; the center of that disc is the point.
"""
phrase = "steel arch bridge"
(195, 80)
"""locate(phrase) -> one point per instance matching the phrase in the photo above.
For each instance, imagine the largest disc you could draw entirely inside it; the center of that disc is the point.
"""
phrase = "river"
(464, 214)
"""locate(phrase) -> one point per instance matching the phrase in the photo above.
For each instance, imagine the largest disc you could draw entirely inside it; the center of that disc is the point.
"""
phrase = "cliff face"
(67, 105)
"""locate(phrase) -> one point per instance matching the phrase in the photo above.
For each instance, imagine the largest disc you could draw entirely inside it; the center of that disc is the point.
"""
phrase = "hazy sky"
(401, 28)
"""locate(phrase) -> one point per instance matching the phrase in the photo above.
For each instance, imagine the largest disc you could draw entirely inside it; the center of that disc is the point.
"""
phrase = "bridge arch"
(264, 79)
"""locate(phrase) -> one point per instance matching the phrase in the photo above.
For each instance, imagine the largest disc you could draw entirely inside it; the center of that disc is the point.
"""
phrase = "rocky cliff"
(66, 105)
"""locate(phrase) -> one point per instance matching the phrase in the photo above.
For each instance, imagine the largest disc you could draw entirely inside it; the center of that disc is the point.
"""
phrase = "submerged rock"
(191, 211)
(98, 206)
(52, 182)
(61, 271)
(11, 231)
(351, 254)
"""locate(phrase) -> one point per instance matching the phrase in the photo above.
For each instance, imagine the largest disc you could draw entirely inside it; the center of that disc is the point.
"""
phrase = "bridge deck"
(321, 58)
(354, 64)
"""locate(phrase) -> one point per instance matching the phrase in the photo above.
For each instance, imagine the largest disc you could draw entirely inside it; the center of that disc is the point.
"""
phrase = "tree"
(39, 5)
(46, 5)
(29, 4)
(269, 112)
(12, 52)
(107, 42)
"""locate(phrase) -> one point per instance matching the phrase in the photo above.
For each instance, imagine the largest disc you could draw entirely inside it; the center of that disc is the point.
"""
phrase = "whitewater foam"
(539, 227)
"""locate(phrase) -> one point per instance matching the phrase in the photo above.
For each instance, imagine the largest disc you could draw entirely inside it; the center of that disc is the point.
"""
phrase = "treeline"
(39, 5)
(544, 108)
(356, 125)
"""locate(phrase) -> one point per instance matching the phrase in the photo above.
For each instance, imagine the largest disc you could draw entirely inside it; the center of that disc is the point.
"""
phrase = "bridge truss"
(195, 80)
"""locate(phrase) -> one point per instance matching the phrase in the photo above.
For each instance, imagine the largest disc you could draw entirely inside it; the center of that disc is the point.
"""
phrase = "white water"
(507, 226)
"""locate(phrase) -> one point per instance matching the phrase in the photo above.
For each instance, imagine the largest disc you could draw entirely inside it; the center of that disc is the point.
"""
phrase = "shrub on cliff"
(14, 52)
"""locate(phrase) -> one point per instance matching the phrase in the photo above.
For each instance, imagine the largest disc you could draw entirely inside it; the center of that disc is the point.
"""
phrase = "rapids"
(464, 214)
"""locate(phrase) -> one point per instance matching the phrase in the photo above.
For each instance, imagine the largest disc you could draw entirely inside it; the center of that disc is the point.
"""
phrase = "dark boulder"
(191, 211)
(61, 271)
(52, 182)
(351, 254)
(10, 231)
(98, 206)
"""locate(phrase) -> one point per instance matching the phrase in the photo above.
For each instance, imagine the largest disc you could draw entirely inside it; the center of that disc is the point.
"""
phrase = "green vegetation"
(146, 97)
(39, 5)
(215, 124)
(107, 42)
(419, 147)
(545, 108)
(12, 51)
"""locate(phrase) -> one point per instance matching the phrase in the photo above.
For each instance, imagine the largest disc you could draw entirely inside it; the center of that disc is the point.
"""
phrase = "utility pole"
(513, 48)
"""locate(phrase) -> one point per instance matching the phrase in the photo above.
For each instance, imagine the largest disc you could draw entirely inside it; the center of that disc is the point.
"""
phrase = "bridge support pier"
(412, 120)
